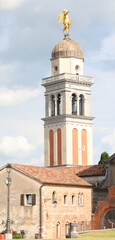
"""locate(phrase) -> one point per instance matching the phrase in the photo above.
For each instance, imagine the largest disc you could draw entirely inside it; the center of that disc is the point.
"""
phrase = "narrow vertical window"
(74, 104)
(52, 105)
(53, 197)
(65, 199)
(80, 199)
(51, 147)
(59, 146)
(73, 199)
(59, 104)
(75, 146)
(84, 146)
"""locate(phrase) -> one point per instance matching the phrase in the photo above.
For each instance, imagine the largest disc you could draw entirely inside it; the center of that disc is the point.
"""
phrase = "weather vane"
(66, 21)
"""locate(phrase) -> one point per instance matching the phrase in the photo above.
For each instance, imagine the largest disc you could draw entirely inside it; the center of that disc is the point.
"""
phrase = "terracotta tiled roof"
(53, 175)
(95, 170)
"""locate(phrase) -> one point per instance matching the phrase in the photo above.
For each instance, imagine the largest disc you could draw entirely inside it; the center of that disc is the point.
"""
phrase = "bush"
(16, 235)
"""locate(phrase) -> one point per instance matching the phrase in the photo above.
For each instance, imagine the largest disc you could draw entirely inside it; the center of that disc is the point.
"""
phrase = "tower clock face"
(77, 67)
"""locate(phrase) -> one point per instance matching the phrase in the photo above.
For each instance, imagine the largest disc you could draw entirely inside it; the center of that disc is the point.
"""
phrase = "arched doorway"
(58, 232)
(67, 229)
(109, 219)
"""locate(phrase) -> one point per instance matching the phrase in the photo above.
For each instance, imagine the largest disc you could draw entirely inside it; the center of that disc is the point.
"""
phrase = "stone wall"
(23, 217)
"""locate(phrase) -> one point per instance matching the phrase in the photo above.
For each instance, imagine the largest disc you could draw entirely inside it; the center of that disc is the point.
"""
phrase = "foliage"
(103, 157)
(17, 235)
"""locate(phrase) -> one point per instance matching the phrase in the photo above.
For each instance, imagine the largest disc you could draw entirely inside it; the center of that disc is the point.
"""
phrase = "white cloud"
(107, 50)
(10, 4)
(9, 97)
(36, 161)
(110, 140)
(15, 146)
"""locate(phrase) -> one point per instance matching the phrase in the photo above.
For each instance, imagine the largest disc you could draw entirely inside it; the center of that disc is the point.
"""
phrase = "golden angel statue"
(66, 21)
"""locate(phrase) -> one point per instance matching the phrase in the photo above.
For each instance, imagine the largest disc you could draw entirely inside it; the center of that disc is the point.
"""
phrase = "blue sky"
(28, 31)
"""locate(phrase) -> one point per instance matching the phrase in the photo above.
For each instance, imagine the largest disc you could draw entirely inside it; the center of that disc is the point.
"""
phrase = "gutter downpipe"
(40, 210)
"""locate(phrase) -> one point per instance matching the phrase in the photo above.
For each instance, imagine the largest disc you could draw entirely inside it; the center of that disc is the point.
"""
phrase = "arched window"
(84, 146)
(59, 104)
(81, 107)
(51, 147)
(74, 104)
(59, 146)
(53, 197)
(58, 233)
(80, 199)
(52, 105)
(75, 146)
(65, 199)
(73, 199)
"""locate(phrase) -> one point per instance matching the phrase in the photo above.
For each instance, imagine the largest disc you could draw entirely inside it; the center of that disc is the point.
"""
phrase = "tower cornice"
(68, 77)
(67, 118)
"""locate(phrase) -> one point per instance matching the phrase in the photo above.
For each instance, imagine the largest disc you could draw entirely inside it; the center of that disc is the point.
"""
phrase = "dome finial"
(66, 21)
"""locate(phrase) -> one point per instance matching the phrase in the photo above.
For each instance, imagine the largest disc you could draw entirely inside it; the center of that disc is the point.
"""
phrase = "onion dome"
(67, 48)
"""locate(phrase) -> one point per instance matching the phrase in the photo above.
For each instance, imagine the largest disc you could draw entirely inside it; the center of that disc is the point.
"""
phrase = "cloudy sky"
(28, 31)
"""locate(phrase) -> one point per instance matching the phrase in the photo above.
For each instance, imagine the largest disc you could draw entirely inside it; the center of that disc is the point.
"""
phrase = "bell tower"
(68, 122)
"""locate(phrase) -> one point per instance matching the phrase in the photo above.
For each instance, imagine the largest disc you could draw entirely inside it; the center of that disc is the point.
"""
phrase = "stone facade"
(24, 217)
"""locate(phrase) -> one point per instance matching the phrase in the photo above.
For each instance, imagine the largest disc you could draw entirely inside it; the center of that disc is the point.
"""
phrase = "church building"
(69, 188)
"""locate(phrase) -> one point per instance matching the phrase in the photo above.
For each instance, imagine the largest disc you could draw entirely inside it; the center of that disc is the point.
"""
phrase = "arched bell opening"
(81, 105)
(74, 103)
(52, 105)
(59, 104)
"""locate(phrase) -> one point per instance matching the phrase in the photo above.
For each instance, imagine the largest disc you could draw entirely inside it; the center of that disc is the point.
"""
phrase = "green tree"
(103, 157)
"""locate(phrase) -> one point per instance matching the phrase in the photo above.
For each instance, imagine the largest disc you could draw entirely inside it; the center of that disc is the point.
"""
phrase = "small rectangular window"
(28, 199)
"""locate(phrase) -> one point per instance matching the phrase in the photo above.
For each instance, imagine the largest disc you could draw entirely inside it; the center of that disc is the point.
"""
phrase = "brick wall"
(63, 214)
(102, 207)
